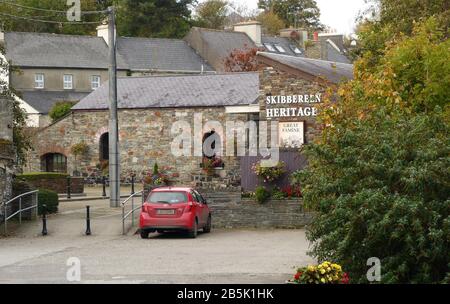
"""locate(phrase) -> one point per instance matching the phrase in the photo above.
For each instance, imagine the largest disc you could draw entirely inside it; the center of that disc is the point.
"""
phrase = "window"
(280, 48)
(54, 162)
(95, 82)
(39, 81)
(68, 82)
(167, 197)
(270, 47)
(296, 50)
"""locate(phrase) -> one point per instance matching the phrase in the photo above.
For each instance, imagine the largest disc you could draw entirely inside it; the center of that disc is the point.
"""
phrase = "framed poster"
(291, 134)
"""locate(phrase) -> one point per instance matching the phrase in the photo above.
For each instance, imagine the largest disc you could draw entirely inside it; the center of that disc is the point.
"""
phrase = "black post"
(88, 221)
(68, 187)
(104, 186)
(132, 184)
(44, 219)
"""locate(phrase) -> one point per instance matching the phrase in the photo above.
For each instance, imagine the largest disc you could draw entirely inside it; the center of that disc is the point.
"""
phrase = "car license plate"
(166, 211)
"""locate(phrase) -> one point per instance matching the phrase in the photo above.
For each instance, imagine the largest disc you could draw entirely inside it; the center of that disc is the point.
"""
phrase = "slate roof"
(160, 54)
(207, 90)
(335, 55)
(43, 101)
(331, 71)
(60, 51)
(286, 43)
(224, 42)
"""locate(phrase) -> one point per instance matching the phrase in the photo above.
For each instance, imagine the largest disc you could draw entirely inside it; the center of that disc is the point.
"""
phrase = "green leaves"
(379, 178)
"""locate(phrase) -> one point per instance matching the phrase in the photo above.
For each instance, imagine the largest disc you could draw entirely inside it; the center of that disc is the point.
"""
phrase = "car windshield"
(167, 197)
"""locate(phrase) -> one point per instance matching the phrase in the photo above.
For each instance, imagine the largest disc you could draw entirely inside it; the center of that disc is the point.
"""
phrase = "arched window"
(104, 147)
(54, 162)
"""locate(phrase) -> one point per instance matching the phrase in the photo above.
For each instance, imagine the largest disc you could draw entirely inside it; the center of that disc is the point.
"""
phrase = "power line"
(50, 10)
(50, 21)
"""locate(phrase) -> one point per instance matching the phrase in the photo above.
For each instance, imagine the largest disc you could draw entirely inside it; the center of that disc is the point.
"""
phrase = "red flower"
(297, 276)
(345, 278)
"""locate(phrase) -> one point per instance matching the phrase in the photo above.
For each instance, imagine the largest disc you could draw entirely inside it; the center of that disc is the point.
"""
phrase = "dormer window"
(39, 81)
(280, 48)
(270, 47)
(296, 50)
(68, 82)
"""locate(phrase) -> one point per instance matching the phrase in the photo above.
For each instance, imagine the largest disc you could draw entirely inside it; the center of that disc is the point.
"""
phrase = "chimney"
(316, 36)
(252, 29)
(103, 31)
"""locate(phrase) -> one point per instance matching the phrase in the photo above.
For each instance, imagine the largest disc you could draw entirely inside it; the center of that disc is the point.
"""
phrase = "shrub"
(60, 109)
(261, 194)
(277, 194)
(48, 198)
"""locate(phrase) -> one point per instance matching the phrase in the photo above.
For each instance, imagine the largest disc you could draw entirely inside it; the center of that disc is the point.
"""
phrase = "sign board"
(291, 134)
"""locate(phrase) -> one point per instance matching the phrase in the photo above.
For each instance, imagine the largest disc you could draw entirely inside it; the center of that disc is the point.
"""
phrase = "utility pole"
(114, 163)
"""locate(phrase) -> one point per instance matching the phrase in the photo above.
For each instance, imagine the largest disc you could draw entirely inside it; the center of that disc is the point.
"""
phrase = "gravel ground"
(223, 256)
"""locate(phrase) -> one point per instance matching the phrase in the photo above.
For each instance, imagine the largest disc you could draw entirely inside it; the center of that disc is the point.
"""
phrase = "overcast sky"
(338, 14)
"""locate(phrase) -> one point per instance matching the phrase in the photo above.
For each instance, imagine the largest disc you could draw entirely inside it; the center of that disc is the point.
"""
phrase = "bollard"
(104, 186)
(68, 187)
(88, 221)
(44, 220)
(132, 184)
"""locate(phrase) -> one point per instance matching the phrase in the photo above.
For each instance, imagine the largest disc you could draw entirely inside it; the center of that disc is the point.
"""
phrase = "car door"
(205, 209)
(198, 208)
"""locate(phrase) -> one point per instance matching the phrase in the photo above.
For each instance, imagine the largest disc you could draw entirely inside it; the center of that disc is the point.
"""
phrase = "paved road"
(224, 256)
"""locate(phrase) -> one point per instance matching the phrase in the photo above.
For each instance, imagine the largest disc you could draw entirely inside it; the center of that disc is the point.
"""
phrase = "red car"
(175, 209)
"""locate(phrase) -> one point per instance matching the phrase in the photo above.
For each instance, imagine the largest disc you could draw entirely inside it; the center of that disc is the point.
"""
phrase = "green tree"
(379, 178)
(60, 109)
(297, 13)
(154, 18)
(387, 19)
(21, 138)
(212, 13)
(271, 23)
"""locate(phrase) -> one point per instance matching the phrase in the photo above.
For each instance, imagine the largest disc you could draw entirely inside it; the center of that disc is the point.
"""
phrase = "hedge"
(41, 175)
(48, 198)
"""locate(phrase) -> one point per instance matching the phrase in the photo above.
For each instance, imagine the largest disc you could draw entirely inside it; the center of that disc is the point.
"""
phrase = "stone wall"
(59, 185)
(275, 82)
(230, 211)
(145, 137)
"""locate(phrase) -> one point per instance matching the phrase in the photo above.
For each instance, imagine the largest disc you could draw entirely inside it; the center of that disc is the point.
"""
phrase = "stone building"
(154, 112)
(149, 110)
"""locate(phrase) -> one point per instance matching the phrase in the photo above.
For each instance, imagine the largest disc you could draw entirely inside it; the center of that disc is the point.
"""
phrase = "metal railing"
(133, 209)
(34, 204)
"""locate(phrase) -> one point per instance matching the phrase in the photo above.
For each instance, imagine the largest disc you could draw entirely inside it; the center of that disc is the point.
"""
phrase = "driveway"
(223, 256)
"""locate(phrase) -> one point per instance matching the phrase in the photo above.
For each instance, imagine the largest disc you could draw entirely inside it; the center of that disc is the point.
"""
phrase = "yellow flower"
(322, 271)
(311, 268)
(322, 280)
